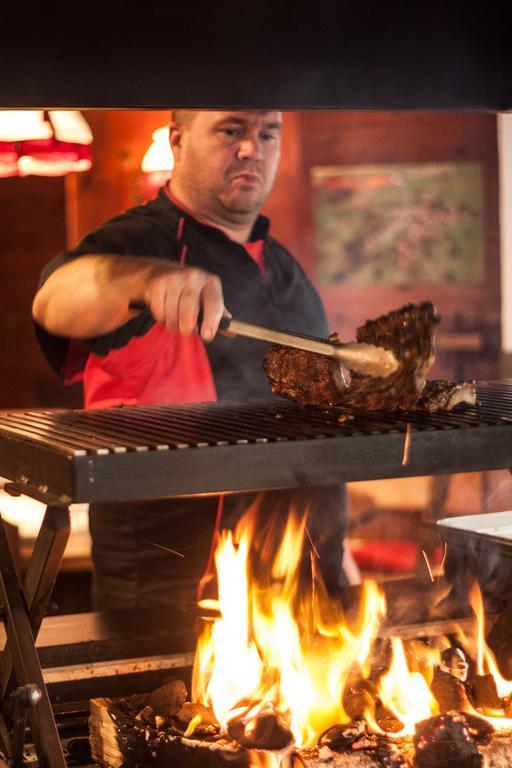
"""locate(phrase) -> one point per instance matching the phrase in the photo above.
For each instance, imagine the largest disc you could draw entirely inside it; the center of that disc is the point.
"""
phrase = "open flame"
(278, 646)
(486, 663)
(273, 643)
(404, 693)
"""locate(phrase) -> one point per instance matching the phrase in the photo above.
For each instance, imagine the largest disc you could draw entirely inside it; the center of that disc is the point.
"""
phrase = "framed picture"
(401, 223)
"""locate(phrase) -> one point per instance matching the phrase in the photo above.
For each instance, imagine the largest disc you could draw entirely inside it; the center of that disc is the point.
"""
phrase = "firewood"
(445, 741)
(167, 699)
(485, 693)
(264, 730)
(341, 737)
(498, 752)
(118, 740)
(450, 693)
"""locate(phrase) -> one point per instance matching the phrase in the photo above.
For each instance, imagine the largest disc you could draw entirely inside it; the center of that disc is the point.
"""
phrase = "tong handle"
(141, 306)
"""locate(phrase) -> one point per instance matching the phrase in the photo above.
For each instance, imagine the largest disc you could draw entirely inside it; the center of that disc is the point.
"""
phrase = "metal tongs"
(356, 356)
(360, 357)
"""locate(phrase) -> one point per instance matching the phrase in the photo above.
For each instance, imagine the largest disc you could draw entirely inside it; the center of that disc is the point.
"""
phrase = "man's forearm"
(89, 296)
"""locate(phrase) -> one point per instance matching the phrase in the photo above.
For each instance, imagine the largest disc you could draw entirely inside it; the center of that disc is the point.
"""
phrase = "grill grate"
(143, 452)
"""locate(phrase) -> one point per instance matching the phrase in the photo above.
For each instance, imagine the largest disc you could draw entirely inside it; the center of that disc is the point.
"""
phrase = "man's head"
(225, 162)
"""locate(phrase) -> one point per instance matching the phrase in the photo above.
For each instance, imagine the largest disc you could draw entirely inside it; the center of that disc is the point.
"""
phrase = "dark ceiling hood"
(270, 53)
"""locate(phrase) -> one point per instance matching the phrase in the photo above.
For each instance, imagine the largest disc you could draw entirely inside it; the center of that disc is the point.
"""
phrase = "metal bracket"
(24, 609)
(23, 698)
(39, 493)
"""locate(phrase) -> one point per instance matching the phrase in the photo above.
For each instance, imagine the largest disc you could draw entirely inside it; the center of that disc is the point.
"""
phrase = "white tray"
(496, 524)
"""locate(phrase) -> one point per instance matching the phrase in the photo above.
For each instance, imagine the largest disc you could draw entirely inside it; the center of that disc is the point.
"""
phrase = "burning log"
(485, 694)
(355, 737)
(168, 699)
(118, 737)
(119, 740)
(125, 733)
(260, 727)
(455, 739)
(358, 698)
(202, 717)
(341, 737)
(445, 741)
(449, 683)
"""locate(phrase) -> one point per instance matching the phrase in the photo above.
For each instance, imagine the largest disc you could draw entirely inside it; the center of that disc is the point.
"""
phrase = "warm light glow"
(158, 156)
(70, 125)
(24, 124)
(34, 142)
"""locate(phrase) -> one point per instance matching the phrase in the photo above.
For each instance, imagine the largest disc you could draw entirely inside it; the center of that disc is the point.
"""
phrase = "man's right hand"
(175, 296)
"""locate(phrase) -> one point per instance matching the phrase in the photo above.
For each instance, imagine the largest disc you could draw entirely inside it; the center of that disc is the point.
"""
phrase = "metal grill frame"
(78, 456)
(66, 456)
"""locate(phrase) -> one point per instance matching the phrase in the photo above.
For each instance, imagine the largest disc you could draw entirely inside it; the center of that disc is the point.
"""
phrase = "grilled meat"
(439, 395)
(409, 333)
(312, 379)
(305, 377)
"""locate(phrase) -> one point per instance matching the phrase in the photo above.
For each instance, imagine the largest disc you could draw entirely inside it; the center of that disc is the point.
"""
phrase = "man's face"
(226, 162)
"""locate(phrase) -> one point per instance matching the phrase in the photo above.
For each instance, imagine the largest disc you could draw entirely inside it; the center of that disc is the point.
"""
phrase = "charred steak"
(305, 377)
(312, 379)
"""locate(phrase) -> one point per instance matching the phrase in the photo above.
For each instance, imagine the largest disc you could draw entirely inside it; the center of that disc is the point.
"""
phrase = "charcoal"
(264, 730)
(445, 742)
(341, 737)
(358, 697)
(390, 756)
(386, 719)
(369, 741)
(479, 728)
(485, 693)
(449, 692)
(146, 715)
(189, 710)
(168, 699)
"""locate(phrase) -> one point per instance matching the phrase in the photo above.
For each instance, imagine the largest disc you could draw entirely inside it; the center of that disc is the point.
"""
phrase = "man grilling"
(120, 312)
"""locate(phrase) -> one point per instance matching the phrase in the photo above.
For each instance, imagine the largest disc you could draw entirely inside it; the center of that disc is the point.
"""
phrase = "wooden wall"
(32, 227)
(33, 216)
(347, 138)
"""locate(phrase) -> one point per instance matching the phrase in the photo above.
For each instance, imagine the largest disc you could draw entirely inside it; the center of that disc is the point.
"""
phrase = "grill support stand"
(24, 609)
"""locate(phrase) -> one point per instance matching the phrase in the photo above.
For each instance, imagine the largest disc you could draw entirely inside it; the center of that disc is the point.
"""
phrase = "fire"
(274, 644)
(405, 693)
(486, 661)
(280, 650)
